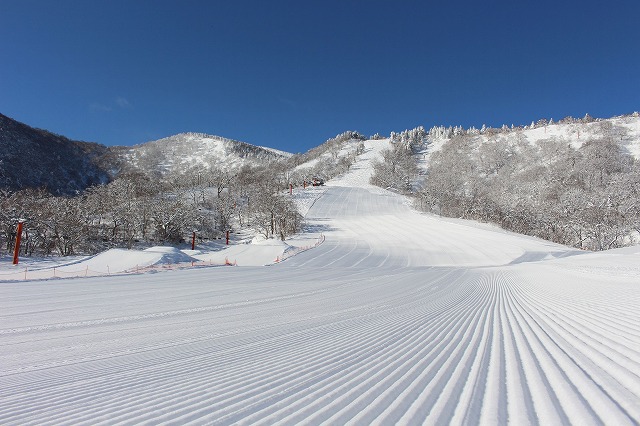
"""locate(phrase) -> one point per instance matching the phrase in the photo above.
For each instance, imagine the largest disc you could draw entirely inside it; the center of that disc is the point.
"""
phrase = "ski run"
(396, 317)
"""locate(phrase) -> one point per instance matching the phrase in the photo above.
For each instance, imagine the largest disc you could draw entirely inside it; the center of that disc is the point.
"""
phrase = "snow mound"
(258, 252)
(120, 260)
(621, 262)
(167, 255)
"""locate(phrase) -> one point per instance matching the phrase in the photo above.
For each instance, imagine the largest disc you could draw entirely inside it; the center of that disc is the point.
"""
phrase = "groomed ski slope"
(397, 318)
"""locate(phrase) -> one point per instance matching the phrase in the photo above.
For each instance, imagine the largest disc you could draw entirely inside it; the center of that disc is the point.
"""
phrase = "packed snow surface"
(396, 318)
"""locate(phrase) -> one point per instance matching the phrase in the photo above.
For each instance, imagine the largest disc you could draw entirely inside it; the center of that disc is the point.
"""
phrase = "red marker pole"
(193, 241)
(16, 250)
(227, 237)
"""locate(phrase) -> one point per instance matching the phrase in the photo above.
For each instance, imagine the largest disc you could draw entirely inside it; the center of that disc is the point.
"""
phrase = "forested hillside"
(189, 153)
(34, 158)
(575, 182)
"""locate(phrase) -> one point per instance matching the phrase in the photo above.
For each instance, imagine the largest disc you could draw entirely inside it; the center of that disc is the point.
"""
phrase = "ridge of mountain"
(624, 129)
(36, 158)
(188, 151)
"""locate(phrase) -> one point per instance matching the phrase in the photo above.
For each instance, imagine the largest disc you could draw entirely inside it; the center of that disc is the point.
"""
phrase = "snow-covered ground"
(396, 317)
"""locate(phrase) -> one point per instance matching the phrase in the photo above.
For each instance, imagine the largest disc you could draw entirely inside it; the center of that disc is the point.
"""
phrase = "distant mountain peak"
(189, 150)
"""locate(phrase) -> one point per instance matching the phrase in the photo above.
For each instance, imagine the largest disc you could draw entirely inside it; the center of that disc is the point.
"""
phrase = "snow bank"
(112, 261)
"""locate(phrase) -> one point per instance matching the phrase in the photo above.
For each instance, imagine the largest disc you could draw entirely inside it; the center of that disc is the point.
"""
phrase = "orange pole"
(16, 249)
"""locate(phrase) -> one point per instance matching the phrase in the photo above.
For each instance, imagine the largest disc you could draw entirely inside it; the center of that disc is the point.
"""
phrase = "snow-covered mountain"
(34, 158)
(196, 151)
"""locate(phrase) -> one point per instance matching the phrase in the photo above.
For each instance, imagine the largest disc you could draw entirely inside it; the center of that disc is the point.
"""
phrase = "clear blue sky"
(291, 74)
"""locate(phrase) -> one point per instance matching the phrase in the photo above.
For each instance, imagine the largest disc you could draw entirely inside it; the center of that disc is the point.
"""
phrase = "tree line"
(583, 195)
(137, 210)
(586, 197)
(398, 168)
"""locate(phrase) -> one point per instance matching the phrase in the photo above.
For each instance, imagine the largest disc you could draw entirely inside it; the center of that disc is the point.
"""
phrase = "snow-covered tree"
(397, 169)
(585, 197)
(413, 140)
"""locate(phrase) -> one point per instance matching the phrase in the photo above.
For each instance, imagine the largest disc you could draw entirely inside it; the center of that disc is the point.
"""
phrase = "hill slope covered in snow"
(624, 129)
(576, 182)
(34, 158)
(397, 317)
(186, 152)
